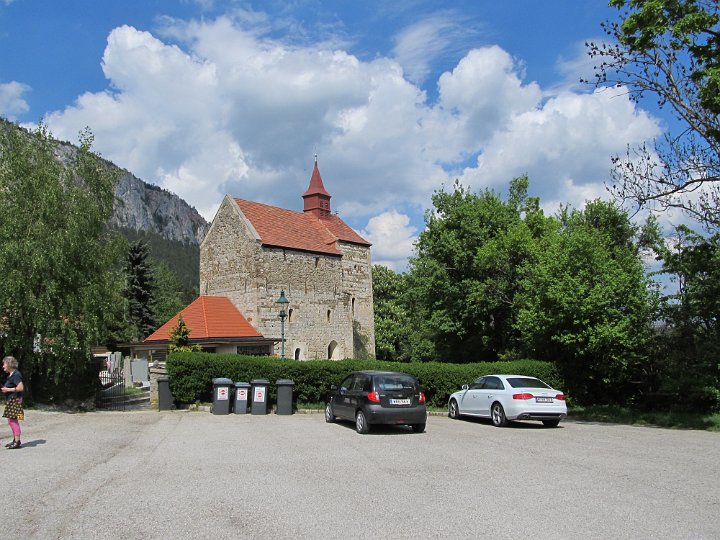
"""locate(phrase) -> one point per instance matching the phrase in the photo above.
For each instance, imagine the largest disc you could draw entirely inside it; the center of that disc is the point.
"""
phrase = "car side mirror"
(465, 387)
(333, 387)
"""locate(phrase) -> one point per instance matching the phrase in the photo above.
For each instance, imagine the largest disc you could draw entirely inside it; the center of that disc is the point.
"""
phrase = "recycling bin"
(165, 400)
(221, 395)
(260, 390)
(242, 392)
(284, 396)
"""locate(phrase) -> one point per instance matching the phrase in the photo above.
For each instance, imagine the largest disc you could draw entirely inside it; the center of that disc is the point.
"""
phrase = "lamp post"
(283, 304)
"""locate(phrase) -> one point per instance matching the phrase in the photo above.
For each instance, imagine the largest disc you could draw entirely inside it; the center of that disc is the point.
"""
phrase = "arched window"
(328, 315)
(290, 315)
(297, 353)
(352, 307)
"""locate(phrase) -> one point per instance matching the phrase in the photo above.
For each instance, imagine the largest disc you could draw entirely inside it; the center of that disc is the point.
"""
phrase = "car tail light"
(374, 397)
(522, 396)
(561, 397)
(421, 399)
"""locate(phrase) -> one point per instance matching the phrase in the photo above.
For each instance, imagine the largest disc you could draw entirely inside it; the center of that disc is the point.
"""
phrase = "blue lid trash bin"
(260, 391)
(284, 396)
(221, 395)
(165, 399)
(242, 393)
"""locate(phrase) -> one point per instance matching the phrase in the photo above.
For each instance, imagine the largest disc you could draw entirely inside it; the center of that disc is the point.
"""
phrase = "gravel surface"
(195, 475)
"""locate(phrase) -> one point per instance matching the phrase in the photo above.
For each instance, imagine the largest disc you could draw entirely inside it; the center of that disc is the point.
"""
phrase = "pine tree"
(140, 291)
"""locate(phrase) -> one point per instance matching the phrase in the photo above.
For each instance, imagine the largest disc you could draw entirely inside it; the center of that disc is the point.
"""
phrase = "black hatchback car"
(378, 397)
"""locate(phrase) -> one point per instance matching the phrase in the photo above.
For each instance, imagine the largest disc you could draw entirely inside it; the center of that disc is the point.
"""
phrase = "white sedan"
(503, 398)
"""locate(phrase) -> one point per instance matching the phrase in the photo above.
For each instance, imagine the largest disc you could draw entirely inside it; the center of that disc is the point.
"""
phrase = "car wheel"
(453, 410)
(329, 416)
(418, 428)
(498, 415)
(361, 425)
(551, 423)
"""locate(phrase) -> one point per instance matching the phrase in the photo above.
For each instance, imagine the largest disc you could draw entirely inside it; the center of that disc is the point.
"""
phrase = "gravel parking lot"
(195, 475)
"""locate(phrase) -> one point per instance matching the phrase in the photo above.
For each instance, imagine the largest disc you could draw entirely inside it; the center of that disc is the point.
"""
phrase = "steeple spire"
(316, 199)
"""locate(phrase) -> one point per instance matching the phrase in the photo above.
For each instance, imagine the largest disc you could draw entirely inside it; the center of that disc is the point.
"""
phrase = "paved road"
(195, 475)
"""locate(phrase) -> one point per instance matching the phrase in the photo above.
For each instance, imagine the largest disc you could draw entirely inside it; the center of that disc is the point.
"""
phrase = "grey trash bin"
(165, 400)
(221, 395)
(259, 398)
(242, 392)
(284, 396)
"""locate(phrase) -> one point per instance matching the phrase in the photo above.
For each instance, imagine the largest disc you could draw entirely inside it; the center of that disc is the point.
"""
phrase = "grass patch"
(624, 415)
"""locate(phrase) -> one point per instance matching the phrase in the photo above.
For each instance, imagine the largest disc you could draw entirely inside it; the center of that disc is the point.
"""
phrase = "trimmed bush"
(191, 374)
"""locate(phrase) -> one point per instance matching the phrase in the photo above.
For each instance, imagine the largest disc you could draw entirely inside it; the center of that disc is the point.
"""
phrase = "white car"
(503, 398)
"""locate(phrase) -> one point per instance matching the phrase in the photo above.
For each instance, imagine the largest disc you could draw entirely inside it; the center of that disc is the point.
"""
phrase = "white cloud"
(11, 100)
(393, 239)
(565, 146)
(226, 109)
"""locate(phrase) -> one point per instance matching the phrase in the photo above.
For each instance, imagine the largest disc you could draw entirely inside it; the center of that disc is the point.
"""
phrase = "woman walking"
(13, 390)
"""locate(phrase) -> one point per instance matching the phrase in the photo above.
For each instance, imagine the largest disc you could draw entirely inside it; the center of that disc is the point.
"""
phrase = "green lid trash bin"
(221, 395)
(259, 398)
(284, 396)
(242, 393)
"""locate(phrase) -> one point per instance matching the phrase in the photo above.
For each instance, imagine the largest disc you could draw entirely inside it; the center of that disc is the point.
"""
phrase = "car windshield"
(526, 382)
(395, 382)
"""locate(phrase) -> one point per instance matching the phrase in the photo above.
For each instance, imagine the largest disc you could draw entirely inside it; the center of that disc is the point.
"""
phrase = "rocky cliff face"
(144, 207)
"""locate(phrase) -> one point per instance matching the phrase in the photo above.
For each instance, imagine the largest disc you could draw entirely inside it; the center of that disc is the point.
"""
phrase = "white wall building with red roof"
(253, 251)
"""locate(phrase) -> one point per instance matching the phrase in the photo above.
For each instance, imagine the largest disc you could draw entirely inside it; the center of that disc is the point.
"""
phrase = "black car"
(378, 397)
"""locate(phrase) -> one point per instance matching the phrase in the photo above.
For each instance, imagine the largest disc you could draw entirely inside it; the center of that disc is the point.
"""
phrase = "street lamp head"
(283, 303)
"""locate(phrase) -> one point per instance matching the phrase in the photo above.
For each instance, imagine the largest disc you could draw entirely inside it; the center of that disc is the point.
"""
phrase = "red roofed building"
(252, 251)
(215, 324)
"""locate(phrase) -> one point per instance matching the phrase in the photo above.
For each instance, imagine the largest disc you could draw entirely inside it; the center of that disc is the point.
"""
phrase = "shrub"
(191, 374)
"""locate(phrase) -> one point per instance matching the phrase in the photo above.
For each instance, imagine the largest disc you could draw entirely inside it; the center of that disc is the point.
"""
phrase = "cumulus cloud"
(393, 239)
(11, 100)
(215, 106)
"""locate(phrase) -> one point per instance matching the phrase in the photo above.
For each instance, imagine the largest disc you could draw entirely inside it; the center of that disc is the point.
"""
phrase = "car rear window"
(395, 382)
(526, 382)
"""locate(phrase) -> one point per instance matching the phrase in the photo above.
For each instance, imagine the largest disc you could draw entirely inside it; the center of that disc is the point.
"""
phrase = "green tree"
(668, 50)
(168, 293)
(54, 258)
(466, 273)
(140, 291)
(588, 305)
(392, 325)
(180, 338)
(687, 371)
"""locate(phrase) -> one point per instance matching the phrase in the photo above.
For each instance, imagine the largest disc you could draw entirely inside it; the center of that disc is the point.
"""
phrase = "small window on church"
(290, 315)
(352, 307)
(328, 315)
(317, 261)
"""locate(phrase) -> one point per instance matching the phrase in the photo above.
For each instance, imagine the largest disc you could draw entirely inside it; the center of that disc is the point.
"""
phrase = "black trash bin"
(242, 392)
(165, 399)
(221, 395)
(260, 390)
(284, 396)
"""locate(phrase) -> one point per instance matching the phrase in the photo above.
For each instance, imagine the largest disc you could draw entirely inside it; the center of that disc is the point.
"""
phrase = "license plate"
(400, 401)
(543, 400)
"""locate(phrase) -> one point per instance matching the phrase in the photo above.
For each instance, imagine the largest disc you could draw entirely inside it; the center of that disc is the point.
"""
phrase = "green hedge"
(191, 374)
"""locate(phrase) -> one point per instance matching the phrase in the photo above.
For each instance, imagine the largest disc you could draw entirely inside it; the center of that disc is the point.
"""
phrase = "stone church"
(253, 251)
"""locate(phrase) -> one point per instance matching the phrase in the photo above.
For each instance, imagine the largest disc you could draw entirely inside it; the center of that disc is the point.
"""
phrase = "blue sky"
(398, 99)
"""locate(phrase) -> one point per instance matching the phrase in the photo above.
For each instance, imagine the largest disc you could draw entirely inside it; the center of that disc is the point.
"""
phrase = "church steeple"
(316, 199)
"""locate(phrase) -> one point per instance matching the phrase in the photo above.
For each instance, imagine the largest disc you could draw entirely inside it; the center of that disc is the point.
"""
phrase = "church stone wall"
(330, 312)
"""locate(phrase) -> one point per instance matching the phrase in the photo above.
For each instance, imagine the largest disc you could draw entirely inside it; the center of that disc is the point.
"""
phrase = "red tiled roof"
(298, 230)
(209, 317)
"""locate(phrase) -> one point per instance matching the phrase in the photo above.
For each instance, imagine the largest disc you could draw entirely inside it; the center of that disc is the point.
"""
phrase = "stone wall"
(330, 312)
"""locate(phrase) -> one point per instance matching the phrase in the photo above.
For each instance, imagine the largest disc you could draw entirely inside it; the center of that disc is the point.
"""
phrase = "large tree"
(140, 291)
(467, 271)
(668, 50)
(587, 303)
(55, 257)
